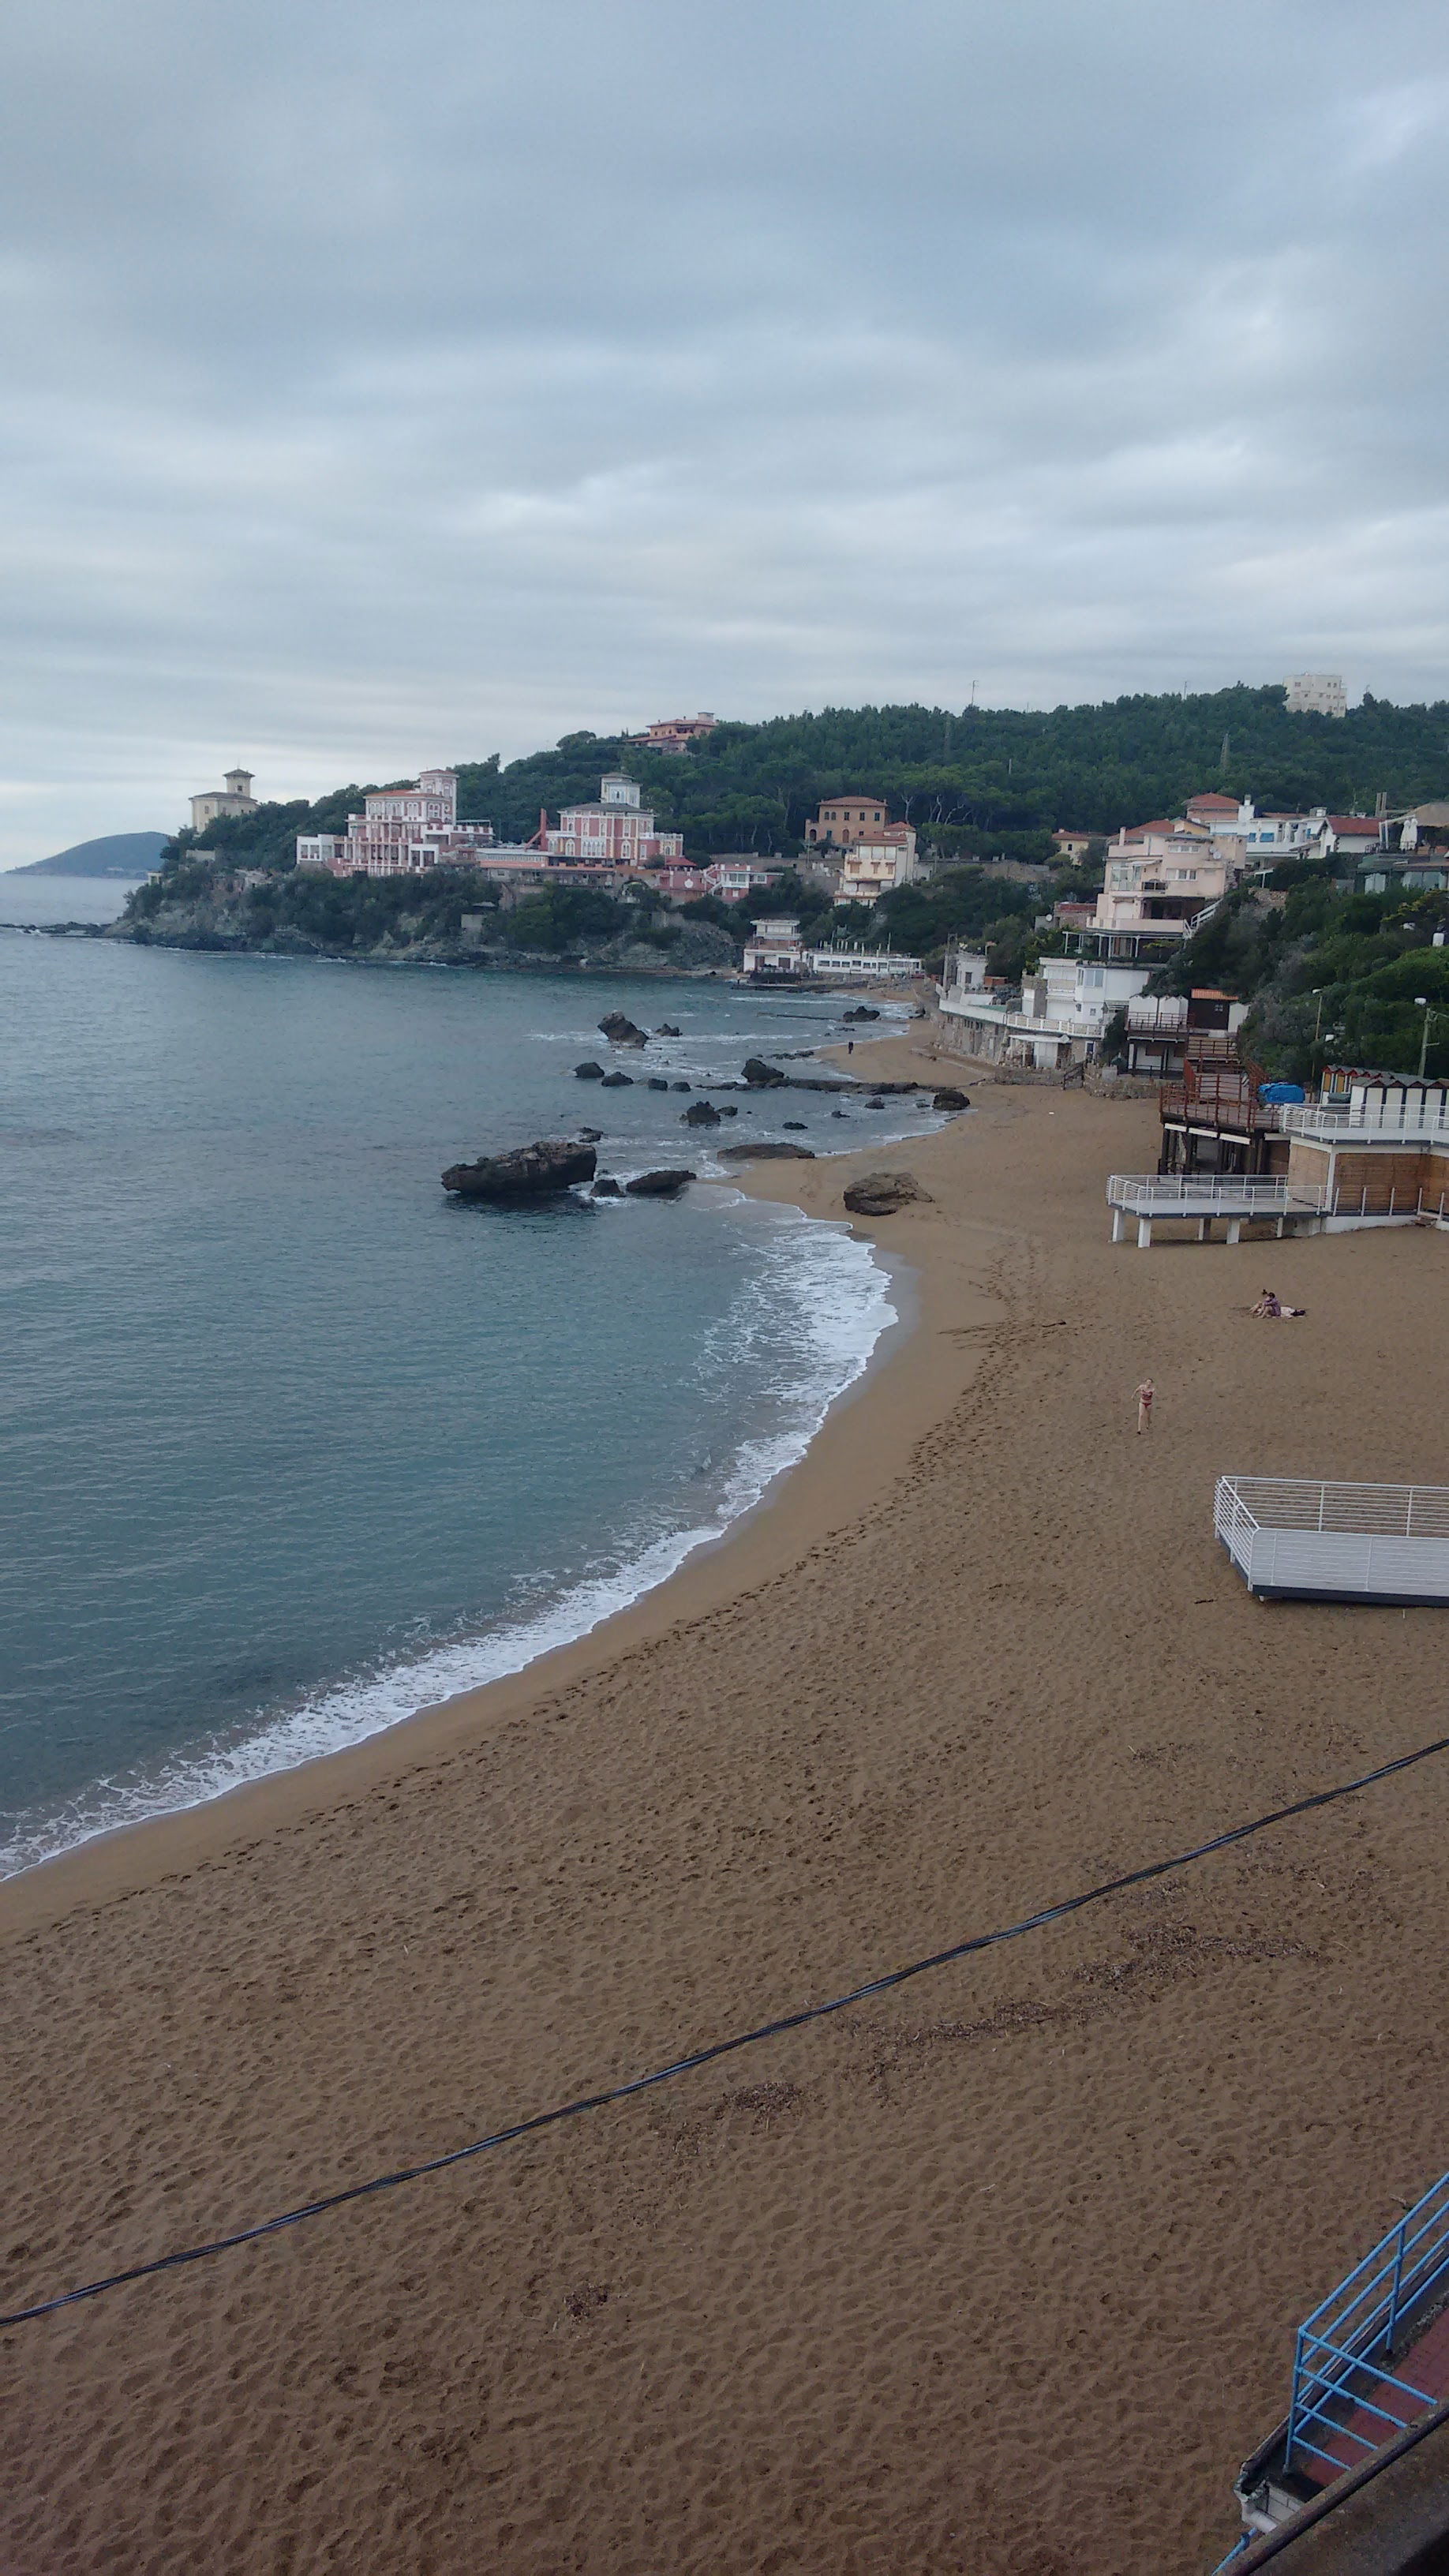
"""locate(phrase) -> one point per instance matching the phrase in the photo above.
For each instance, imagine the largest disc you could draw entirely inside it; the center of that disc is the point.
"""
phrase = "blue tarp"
(1284, 1095)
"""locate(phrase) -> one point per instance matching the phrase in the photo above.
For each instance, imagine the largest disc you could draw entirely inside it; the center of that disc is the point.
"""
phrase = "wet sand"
(996, 2274)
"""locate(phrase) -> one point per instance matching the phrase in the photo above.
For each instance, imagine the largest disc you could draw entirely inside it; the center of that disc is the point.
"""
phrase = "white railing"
(1289, 1534)
(1169, 1193)
(1416, 1120)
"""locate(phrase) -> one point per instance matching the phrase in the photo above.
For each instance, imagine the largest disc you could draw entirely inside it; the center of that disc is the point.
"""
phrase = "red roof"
(1354, 823)
(1219, 804)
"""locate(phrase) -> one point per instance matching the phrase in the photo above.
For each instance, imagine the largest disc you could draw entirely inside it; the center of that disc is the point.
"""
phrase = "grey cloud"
(392, 384)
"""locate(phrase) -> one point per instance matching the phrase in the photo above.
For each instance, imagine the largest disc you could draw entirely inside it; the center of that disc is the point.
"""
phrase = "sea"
(291, 1443)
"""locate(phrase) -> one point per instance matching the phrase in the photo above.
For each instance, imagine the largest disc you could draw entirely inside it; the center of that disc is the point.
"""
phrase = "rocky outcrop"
(657, 1185)
(621, 1031)
(766, 1154)
(948, 1097)
(862, 1011)
(606, 1189)
(761, 1076)
(532, 1172)
(700, 1113)
(883, 1193)
(667, 1029)
(681, 1086)
(591, 1135)
(588, 1072)
(617, 1082)
(656, 1082)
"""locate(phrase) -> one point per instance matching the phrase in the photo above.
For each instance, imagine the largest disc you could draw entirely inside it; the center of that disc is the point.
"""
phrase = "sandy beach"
(997, 2275)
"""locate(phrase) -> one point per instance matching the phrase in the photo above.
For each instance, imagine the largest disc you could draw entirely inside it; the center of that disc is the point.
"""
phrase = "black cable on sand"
(721, 2047)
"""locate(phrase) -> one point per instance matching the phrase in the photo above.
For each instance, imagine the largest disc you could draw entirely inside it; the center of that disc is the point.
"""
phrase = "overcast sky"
(390, 383)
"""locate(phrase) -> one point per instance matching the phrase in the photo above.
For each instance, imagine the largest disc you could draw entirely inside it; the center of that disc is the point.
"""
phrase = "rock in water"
(949, 1098)
(862, 1011)
(622, 1032)
(700, 1113)
(588, 1073)
(761, 1076)
(766, 1154)
(657, 1185)
(533, 1172)
(882, 1193)
(591, 1135)
(657, 1082)
(797, 1123)
(667, 1029)
(618, 1081)
(681, 1086)
(606, 1189)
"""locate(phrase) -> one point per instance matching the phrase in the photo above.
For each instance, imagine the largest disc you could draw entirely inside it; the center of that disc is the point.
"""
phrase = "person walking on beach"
(1145, 1394)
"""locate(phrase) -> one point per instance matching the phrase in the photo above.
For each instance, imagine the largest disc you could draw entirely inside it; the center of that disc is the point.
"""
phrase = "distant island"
(116, 854)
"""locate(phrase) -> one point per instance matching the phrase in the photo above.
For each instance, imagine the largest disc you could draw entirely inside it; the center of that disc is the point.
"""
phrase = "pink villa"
(613, 832)
(674, 733)
(401, 832)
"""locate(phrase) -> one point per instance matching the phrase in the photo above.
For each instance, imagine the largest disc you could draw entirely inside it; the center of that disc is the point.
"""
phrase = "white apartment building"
(1317, 693)
(402, 831)
(877, 862)
(1057, 1018)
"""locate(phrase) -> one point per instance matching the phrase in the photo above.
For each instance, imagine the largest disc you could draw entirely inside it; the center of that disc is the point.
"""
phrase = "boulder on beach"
(761, 1076)
(657, 1185)
(762, 1153)
(606, 1189)
(656, 1082)
(532, 1172)
(700, 1113)
(667, 1029)
(621, 1031)
(948, 1097)
(618, 1081)
(882, 1193)
(588, 1073)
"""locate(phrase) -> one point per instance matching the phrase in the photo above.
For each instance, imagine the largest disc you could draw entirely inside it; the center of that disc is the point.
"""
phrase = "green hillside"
(115, 854)
(973, 780)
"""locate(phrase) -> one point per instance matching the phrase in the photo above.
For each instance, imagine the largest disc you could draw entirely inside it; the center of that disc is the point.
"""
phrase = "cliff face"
(225, 916)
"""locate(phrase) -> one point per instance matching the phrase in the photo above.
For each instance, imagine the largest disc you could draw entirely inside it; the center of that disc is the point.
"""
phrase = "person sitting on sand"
(1267, 1304)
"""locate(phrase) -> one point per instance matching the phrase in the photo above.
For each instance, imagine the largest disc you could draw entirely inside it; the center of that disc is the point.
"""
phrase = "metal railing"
(1301, 1503)
(1187, 1194)
(1398, 1115)
(1335, 2373)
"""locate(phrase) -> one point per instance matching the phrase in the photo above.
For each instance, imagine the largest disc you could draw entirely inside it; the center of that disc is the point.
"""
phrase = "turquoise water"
(291, 1444)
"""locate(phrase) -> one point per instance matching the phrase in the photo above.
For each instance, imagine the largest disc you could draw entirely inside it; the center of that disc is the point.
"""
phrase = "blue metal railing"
(1335, 2372)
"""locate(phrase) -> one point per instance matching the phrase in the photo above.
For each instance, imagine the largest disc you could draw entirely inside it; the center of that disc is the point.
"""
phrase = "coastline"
(835, 1474)
(812, 2308)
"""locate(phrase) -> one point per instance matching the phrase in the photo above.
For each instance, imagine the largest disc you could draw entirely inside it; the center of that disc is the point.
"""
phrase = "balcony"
(1390, 1117)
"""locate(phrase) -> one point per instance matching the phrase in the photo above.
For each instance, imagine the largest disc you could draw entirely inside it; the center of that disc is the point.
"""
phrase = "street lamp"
(1421, 1003)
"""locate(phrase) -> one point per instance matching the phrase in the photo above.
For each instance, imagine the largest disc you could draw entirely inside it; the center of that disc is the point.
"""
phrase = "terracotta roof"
(1219, 804)
(1354, 823)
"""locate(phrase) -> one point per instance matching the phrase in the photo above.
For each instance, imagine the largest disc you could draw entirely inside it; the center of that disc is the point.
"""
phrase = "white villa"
(1057, 1018)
